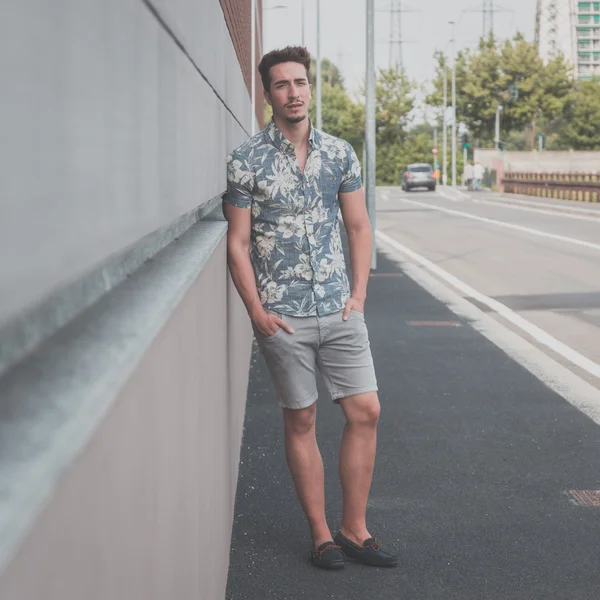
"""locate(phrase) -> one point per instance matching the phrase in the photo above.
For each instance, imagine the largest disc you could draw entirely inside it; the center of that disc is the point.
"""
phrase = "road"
(533, 265)
(483, 321)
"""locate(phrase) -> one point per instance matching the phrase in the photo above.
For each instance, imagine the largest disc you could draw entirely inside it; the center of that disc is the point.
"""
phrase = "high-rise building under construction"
(571, 28)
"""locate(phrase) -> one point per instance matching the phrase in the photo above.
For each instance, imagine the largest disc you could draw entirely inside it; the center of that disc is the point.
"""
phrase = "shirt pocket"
(330, 184)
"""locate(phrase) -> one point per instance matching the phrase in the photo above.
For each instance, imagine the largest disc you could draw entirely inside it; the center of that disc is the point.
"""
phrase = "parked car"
(418, 175)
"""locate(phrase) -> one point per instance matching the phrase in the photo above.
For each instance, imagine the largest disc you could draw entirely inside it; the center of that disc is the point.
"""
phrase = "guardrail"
(563, 186)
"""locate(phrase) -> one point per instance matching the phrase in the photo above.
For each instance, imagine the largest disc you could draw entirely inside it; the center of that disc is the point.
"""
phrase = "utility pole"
(303, 44)
(397, 41)
(453, 105)
(435, 146)
(370, 144)
(484, 13)
(253, 64)
(319, 82)
(396, 34)
(445, 126)
(497, 136)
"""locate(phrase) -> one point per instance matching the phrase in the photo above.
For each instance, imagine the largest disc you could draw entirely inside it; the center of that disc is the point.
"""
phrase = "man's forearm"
(242, 273)
(360, 241)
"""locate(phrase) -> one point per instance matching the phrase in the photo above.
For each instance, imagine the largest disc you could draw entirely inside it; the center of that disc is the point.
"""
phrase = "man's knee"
(301, 421)
(362, 410)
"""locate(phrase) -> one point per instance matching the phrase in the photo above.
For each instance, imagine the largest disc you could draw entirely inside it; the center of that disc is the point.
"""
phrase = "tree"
(342, 117)
(543, 89)
(582, 128)
(330, 73)
(398, 145)
(484, 76)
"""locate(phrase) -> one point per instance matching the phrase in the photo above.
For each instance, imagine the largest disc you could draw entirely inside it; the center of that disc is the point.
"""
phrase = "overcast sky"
(343, 24)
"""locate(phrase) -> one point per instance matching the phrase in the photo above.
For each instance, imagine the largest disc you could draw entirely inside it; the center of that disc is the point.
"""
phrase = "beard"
(297, 119)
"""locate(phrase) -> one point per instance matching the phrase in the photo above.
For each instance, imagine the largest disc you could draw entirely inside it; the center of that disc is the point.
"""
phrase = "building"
(588, 40)
(570, 28)
(124, 348)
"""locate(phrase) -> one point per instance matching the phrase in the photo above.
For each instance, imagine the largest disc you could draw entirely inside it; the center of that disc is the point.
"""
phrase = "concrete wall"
(124, 348)
(145, 509)
(109, 131)
(540, 162)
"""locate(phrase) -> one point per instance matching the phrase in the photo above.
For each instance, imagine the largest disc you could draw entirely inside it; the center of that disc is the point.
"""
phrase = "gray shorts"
(340, 349)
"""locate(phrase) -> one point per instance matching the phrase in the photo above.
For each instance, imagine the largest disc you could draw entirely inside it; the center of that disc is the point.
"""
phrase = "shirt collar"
(283, 144)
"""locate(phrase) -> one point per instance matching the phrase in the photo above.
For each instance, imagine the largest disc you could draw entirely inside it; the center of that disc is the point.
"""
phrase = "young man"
(286, 186)
(478, 173)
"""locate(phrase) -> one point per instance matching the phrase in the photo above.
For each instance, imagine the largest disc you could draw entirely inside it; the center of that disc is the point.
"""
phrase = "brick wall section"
(237, 17)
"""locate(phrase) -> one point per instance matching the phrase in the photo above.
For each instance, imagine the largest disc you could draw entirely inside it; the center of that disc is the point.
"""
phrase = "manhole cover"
(585, 497)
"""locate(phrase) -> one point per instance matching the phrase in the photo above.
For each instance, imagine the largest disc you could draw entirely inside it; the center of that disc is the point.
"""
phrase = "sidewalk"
(474, 457)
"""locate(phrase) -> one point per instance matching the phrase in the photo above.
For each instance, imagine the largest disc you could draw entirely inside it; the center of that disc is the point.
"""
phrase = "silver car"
(418, 175)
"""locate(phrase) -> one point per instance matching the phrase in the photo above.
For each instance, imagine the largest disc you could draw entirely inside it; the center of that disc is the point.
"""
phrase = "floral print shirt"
(296, 248)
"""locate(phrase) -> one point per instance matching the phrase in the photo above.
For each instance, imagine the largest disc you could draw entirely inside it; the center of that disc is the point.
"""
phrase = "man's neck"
(296, 133)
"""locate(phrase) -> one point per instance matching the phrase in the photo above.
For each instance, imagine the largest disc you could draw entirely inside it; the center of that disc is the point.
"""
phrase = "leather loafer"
(328, 556)
(370, 553)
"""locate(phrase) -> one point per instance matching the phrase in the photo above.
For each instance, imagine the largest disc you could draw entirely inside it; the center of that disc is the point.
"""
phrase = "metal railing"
(563, 186)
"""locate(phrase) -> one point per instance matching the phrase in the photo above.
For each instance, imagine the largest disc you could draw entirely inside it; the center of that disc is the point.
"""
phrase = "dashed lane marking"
(530, 230)
(534, 331)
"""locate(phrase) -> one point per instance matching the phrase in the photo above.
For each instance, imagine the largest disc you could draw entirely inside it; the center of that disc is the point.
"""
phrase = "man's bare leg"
(357, 460)
(306, 467)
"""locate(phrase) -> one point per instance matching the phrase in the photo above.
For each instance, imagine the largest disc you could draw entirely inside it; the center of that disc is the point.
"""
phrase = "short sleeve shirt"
(296, 248)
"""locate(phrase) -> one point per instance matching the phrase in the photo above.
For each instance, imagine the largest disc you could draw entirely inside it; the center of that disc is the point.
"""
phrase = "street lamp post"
(453, 105)
(370, 130)
(445, 125)
(319, 82)
(435, 156)
(303, 45)
(497, 136)
(253, 64)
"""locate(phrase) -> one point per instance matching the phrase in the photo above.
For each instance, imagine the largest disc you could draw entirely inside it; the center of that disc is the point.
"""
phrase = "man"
(478, 173)
(286, 186)
(468, 175)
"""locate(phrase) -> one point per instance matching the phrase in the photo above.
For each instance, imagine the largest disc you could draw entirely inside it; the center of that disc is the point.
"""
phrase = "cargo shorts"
(339, 349)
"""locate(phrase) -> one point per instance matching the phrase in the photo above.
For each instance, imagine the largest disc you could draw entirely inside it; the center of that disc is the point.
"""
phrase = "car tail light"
(408, 175)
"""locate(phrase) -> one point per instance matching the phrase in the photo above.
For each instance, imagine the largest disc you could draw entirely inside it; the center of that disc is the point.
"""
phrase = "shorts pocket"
(357, 313)
(268, 338)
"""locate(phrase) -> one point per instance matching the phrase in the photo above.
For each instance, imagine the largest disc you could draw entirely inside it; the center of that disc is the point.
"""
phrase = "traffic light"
(513, 90)
(464, 140)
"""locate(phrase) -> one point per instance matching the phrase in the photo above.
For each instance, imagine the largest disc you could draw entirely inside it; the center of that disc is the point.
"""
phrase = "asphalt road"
(486, 482)
(534, 259)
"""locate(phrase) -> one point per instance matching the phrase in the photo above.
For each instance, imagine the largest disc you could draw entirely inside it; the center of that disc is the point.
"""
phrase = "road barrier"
(563, 186)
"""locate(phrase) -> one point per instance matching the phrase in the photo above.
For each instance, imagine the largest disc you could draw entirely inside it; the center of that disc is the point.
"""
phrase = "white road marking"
(560, 212)
(556, 376)
(445, 194)
(553, 236)
(533, 330)
(460, 193)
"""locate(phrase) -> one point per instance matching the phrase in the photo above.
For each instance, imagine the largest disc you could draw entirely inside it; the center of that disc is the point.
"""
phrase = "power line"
(397, 40)
(487, 9)
(396, 34)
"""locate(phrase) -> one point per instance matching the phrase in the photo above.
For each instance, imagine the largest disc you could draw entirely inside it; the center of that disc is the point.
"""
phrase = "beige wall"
(546, 161)
(145, 511)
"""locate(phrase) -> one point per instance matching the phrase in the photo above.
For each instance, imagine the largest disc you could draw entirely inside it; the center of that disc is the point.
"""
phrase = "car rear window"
(420, 169)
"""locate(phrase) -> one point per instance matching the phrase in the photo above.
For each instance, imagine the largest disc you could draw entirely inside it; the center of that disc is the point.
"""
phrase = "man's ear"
(267, 96)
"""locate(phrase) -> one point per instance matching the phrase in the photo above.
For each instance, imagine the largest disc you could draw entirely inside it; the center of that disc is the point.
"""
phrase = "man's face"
(290, 92)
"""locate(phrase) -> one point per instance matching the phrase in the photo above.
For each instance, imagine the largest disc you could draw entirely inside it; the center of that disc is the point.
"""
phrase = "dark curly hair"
(297, 54)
